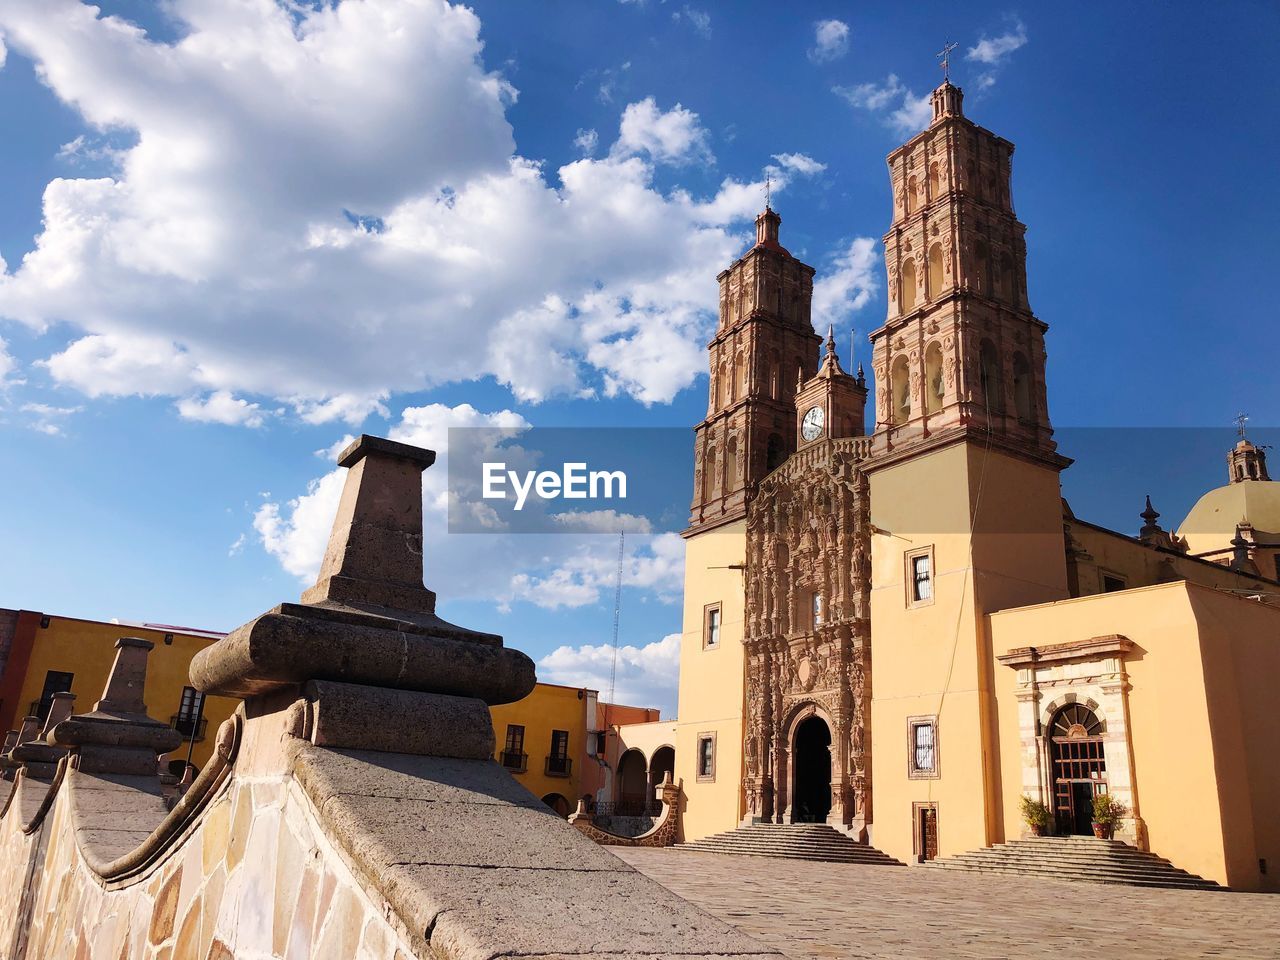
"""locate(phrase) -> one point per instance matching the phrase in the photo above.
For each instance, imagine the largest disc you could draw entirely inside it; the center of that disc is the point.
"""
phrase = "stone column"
(38, 757)
(1117, 751)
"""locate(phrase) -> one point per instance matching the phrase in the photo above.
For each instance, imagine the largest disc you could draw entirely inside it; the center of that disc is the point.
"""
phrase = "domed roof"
(1211, 524)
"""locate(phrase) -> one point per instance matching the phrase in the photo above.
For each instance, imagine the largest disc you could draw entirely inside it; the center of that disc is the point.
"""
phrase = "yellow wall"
(1201, 716)
(86, 649)
(549, 707)
(934, 660)
(712, 682)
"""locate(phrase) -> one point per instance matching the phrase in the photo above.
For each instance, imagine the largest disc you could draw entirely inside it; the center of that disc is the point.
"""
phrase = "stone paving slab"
(859, 912)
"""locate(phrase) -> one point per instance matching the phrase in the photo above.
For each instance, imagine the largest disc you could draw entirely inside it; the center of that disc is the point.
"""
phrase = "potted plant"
(1036, 815)
(1107, 812)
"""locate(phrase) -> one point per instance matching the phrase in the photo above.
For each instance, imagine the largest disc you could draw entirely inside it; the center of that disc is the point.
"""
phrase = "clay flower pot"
(1102, 830)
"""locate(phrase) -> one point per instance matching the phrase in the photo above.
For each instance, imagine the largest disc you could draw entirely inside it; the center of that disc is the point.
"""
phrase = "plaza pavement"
(853, 911)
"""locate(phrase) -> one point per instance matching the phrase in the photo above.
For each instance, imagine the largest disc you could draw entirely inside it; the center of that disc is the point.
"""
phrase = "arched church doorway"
(1079, 767)
(812, 753)
(661, 763)
(557, 803)
(633, 777)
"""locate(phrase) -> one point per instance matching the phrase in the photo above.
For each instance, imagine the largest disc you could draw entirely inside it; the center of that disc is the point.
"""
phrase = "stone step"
(1086, 859)
(809, 841)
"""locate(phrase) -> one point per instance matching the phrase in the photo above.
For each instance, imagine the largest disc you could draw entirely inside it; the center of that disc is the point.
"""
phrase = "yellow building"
(905, 633)
(42, 654)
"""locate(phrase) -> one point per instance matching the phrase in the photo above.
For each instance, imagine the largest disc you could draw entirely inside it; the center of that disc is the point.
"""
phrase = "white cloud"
(700, 20)
(799, 163)
(912, 113)
(994, 50)
(7, 364)
(849, 284)
(830, 40)
(675, 136)
(221, 407)
(46, 418)
(3, 52)
(289, 226)
(647, 676)
(587, 141)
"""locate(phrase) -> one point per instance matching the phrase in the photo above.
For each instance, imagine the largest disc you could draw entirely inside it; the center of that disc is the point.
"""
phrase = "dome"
(1211, 524)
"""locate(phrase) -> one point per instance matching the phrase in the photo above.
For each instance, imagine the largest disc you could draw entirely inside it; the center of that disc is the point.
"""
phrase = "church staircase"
(792, 841)
(1084, 859)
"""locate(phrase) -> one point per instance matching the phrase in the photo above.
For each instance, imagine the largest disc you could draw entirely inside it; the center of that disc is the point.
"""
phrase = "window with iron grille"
(706, 756)
(921, 578)
(55, 681)
(513, 755)
(711, 627)
(558, 758)
(922, 747)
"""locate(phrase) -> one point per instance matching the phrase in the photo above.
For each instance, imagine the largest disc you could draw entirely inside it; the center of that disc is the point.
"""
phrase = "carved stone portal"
(808, 635)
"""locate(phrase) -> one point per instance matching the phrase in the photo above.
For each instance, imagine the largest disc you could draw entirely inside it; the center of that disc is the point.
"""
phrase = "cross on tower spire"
(768, 190)
(945, 56)
(1240, 420)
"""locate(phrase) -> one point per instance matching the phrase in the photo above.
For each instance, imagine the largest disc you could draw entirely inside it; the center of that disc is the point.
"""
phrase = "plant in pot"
(1107, 812)
(1036, 815)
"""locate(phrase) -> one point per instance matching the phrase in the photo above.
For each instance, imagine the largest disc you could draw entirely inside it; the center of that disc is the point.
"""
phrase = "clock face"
(811, 426)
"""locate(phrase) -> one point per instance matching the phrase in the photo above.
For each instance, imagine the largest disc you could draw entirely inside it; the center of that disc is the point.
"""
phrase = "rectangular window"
(706, 757)
(1112, 583)
(711, 626)
(558, 762)
(55, 681)
(816, 605)
(513, 755)
(189, 720)
(922, 747)
(919, 574)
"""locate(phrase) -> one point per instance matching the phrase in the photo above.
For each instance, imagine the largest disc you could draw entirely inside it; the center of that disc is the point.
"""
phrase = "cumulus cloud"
(848, 285)
(647, 676)
(994, 50)
(287, 225)
(911, 113)
(675, 136)
(221, 407)
(8, 365)
(799, 163)
(830, 40)
(587, 141)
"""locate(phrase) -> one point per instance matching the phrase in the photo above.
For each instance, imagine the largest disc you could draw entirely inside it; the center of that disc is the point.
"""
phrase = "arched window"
(1008, 287)
(731, 465)
(722, 386)
(992, 394)
(935, 181)
(900, 385)
(733, 379)
(981, 268)
(773, 453)
(709, 473)
(935, 271)
(1022, 387)
(912, 188)
(934, 387)
(908, 295)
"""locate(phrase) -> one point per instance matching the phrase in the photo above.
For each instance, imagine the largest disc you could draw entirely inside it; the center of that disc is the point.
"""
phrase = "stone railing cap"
(366, 444)
(135, 642)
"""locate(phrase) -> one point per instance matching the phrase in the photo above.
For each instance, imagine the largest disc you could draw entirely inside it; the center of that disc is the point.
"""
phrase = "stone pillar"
(117, 736)
(39, 757)
(1116, 749)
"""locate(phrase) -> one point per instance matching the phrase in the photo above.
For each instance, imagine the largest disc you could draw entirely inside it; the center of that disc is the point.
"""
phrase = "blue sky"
(235, 235)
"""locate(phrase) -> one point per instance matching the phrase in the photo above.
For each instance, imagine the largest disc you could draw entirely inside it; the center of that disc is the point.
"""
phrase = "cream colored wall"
(934, 660)
(646, 737)
(712, 687)
(1201, 718)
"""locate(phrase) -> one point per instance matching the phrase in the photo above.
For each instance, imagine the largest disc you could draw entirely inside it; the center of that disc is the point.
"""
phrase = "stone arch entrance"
(1079, 766)
(661, 763)
(557, 803)
(633, 778)
(811, 771)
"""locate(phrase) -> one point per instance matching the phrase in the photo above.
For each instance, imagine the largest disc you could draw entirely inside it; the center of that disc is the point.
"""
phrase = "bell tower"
(763, 349)
(832, 405)
(960, 347)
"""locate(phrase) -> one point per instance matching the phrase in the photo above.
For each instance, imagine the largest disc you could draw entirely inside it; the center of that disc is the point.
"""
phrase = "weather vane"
(1240, 422)
(945, 57)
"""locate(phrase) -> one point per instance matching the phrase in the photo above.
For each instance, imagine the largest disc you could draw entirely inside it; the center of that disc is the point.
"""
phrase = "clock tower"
(831, 406)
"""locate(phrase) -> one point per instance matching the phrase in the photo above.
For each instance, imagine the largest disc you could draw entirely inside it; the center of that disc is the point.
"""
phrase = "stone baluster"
(37, 756)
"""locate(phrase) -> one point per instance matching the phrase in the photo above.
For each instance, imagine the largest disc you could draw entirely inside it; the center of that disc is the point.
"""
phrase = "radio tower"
(617, 611)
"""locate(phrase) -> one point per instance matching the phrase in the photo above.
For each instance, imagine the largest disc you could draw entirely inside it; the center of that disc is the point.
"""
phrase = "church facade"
(895, 625)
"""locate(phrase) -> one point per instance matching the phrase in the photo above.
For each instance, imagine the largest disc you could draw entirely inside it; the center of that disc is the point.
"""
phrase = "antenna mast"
(617, 611)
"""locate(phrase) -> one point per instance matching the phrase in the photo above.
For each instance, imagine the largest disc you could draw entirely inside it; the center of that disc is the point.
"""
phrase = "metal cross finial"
(945, 56)
(1240, 422)
(768, 189)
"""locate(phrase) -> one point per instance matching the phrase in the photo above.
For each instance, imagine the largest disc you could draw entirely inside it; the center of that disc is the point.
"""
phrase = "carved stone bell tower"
(833, 404)
(960, 346)
(764, 346)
